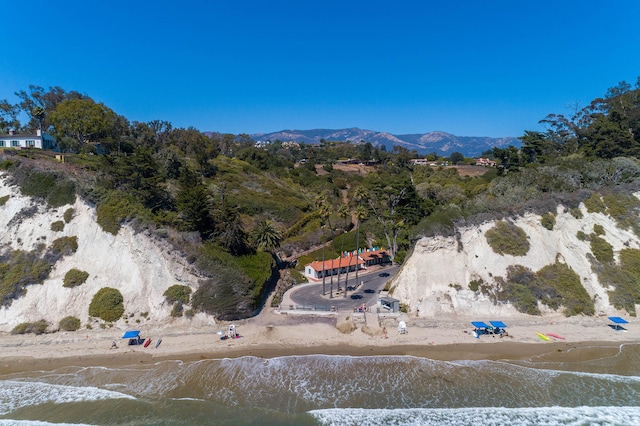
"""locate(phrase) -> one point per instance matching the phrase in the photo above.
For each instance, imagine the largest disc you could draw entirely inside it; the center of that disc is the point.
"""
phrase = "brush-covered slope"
(139, 266)
(465, 275)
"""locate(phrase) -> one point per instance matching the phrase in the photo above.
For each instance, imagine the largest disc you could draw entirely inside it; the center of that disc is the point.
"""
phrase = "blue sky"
(471, 68)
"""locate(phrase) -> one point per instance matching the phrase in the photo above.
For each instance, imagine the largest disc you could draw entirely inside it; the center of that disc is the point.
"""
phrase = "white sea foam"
(16, 394)
(534, 416)
(498, 365)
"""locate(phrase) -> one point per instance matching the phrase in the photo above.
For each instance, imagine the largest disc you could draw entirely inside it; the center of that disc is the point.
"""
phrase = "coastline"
(273, 334)
(507, 351)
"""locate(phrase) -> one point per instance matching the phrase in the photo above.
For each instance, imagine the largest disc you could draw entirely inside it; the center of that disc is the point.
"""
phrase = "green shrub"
(548, 221)
(6, 164)
(297, 276)
(507, 238)
(62, 193)
(3, 200)
(38, 327)
(69, 323)
(594, 204)
(598, 229)
(68, 214)
(601, 249)
(64, 246)
(576, 212)
(177, 310)
(115, 209)
(623, 280)
(624, 209)
(474, 285)
(107, 304)
(55, 190)
(566, 283)
(37, 184)
(521, 297)
(519, 288)
(57, 226)
(178, 293)
(75, 277)
(582, 236)
(439, 222)
(21, 269)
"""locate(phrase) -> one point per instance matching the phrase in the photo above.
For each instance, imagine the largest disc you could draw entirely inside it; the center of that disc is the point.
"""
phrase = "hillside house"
(418, 161)
(485, 162)
(39, 140)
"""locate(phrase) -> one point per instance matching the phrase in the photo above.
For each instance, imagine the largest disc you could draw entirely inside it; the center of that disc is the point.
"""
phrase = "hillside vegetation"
(234, 210)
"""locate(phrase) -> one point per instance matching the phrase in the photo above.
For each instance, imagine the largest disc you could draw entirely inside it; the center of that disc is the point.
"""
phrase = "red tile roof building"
(348, 262)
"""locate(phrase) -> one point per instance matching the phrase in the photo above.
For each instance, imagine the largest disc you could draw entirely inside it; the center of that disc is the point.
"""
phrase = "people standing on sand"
(384, 332)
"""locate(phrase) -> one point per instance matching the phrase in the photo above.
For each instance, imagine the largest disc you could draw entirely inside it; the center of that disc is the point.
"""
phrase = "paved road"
(311, 294)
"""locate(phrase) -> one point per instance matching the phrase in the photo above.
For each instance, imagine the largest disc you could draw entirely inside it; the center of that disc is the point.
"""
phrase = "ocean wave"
(17, 394)
(534, 416)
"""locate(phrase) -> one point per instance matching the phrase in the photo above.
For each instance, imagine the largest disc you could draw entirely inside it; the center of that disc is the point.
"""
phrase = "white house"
(39, 140)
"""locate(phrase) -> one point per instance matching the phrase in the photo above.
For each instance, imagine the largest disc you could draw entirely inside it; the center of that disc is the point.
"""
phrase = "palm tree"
(321, 206)
(343, 212)
(266, 236)
(360, 214)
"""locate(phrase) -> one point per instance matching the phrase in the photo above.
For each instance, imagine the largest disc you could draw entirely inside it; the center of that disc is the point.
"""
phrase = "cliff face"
(433, 282)
(140, 266)
(428, 280)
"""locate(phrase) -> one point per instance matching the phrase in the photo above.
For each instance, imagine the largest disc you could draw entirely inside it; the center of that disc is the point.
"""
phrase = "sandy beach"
(273, 333)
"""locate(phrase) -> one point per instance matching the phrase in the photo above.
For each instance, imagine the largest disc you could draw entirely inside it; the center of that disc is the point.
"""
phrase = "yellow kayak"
(543, 337)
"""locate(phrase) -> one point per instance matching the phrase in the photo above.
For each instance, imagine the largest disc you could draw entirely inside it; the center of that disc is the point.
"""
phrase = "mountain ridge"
(439, 142)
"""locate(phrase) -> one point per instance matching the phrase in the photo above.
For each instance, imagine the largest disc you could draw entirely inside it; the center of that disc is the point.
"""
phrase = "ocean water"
(599, 387)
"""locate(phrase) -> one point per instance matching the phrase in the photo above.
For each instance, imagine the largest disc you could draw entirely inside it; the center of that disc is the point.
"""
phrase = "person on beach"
(113, 345)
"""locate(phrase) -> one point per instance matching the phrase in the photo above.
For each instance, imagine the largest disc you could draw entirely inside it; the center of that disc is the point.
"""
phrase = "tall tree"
(360, 213)
(84, 120)
(456, 158)
(139, 175)
(231, 234)
(194, 204)
(8, 116)
(38, 104)
(395, 204)
(321, 205)
(343, 212)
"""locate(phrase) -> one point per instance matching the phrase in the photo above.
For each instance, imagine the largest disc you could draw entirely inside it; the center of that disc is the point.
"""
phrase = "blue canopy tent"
(616, 323)
(134, 337)
(480, 328)
(499, 326)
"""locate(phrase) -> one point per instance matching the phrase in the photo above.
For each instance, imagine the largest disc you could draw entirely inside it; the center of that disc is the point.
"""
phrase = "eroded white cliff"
(142, 267)
(428, 280)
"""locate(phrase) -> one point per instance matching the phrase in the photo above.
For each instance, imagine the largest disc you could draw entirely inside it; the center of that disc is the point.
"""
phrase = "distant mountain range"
(443, 144)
